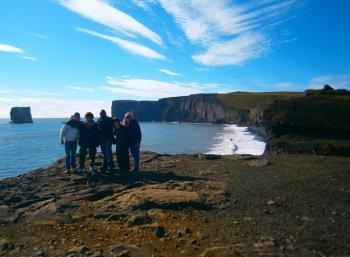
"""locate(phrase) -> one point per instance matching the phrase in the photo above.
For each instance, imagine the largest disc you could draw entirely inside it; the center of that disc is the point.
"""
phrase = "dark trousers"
(70, 148)
(123, 158)
(83, 152)
(106, 148)
(135, 152)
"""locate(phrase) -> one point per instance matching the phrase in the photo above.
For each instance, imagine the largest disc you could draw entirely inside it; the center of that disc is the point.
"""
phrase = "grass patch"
(247, 100)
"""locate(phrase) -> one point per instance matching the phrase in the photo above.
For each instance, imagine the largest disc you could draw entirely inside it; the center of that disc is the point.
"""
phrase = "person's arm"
(63, 133)
(139, 134)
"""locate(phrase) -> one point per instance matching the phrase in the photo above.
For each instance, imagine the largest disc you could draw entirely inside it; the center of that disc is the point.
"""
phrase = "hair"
(77, 114)
(115, 119)
(128, 114)
(89, 115)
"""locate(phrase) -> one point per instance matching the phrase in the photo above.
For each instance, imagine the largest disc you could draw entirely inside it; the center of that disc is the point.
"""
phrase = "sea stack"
(21, 115)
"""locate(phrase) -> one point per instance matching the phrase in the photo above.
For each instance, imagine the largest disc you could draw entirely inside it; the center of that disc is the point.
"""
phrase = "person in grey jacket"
(69, 138)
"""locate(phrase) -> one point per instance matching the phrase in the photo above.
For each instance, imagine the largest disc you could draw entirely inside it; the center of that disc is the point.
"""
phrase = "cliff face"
(202, 108)
(20, 115)
(318, 123)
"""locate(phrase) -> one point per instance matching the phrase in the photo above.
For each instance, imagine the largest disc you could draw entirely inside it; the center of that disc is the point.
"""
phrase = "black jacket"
(134, 131)
(89, 135)
(122, 137)
(105, 127)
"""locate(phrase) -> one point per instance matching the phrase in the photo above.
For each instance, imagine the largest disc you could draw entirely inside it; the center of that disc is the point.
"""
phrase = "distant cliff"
(20, 115)
(201, 108)
(313, 122)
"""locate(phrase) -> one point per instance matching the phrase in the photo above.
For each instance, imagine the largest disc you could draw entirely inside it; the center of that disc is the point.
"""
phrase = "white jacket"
(69, 133)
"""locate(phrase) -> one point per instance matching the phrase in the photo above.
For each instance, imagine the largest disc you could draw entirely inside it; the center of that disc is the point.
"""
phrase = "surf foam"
(237, 140)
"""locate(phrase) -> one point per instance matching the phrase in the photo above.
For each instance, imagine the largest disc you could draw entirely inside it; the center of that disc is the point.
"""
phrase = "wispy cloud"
(169, 72)
(228, 32)
(102, 12)
(41, 36)
(336, 81)
(52, 107)
(287, 86)
(39, 92)
(155, 89)
(84, 89)
(11, 49)
(5, 91)
(235, 51)
(130, 46)
(30, 58)
(16, 50)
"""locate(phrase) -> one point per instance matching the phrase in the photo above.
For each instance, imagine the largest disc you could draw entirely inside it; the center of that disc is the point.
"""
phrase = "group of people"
(107, 131)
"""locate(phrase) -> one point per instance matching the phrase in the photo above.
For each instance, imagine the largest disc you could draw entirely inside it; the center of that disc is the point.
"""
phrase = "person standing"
(69, 137)
(122, 146)
(88, 141)
(135, 137)
(105, 127)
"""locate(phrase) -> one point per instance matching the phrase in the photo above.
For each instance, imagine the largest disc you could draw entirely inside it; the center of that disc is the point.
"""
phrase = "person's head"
(103, 114)
(128, 116)
(76, 116)
(116, 123)
(89, 117)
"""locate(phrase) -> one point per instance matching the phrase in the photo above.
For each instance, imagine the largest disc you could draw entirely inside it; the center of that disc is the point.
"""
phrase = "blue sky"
(61, 56)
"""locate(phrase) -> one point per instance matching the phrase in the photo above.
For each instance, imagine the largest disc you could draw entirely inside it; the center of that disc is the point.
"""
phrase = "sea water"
(24, 147)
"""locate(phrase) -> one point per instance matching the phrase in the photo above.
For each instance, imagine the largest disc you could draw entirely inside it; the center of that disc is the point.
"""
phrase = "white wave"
(237, 140)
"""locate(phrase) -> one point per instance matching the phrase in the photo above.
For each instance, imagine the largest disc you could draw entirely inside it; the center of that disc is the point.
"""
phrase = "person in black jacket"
(105, 127)
(122, 145)
(88, 141)
(135, 137)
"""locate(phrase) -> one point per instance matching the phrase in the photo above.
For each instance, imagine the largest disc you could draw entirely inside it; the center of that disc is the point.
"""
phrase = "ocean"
(26, 147)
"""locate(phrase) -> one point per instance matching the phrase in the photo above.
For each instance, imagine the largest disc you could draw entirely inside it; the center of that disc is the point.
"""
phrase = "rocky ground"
(182, 205)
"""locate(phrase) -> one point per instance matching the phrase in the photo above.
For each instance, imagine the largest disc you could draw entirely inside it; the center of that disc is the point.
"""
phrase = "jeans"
(82, 154)
(123, 158)
(70, 148)
(135, 152)
(106, 148)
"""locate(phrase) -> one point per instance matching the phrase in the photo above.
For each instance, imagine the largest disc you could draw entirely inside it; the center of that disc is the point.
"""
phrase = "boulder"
(20, 115)
(202, 195)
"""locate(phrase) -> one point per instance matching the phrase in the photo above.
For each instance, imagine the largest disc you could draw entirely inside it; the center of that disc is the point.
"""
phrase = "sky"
(62, 56)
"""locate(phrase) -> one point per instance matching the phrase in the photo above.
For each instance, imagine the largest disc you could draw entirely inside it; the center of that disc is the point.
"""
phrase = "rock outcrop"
(20, 115)
(318, 123)
(201, 108)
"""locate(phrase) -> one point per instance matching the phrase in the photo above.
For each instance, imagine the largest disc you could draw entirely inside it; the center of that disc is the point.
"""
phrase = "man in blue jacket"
(105, 127)
(135, 137)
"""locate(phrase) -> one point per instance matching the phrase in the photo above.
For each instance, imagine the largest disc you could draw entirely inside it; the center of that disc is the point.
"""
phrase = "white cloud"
(79, 88)
(30, 58)
(155, 89)
(41, 36)
(235, 51)
(11, 49)
(100, 11)
(132, 47)
(213, 25)
(335, 81)
(53, 107)
(286, 86)
(169, 72)
(5, 91)
(16, 50)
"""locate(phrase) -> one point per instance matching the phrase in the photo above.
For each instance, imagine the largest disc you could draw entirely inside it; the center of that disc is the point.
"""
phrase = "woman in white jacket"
(69, 138)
